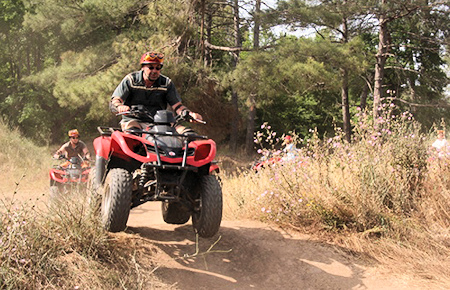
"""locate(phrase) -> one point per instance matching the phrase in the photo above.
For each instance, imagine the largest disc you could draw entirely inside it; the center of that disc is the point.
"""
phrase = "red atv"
(68, 176)
(157, 164)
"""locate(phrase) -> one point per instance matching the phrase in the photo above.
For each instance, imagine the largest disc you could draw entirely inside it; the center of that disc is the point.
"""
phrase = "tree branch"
(232, 49)
(441, 105)
(401, 68)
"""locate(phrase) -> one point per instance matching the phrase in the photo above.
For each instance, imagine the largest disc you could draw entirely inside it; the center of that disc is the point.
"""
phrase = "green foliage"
(72, 54)
(299, 80)
(11, 14)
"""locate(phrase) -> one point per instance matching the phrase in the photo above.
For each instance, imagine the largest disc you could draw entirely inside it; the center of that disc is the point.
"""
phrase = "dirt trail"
(261, 257)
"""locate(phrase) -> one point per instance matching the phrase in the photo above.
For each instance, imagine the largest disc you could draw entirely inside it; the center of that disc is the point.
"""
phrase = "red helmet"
(73, 133)
(152, 57)
(287, 138)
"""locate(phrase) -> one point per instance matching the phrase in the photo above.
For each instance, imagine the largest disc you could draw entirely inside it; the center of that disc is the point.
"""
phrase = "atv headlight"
(202, 152)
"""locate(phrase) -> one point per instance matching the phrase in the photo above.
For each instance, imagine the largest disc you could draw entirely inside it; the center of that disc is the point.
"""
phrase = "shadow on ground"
(250, 258)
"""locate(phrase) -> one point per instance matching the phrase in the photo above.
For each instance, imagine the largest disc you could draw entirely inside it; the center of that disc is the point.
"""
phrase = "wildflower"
(263, 209)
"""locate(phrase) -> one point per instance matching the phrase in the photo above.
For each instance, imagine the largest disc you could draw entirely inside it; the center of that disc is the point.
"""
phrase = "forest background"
(230, 60)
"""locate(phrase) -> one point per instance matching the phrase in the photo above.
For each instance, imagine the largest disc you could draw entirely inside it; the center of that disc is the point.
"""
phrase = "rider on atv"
(74, 148)
(149, 88)
(152, 158)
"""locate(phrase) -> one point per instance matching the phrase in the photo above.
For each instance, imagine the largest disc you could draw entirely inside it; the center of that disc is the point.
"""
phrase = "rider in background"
(74, 148)
(290, 150)
(150, 88)
(441, 145)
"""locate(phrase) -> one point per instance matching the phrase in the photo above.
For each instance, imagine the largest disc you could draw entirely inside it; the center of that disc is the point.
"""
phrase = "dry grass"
(383, 195)
(24, 166)
(65, 247)
(62, 245)
(380, 196)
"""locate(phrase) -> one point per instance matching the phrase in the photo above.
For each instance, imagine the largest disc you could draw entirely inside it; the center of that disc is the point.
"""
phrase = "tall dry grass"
(384, 194)
(65, 247)
(23, 165)
(59, 245)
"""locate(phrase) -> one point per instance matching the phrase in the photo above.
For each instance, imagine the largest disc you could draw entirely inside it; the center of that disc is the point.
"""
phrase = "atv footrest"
(176, 167)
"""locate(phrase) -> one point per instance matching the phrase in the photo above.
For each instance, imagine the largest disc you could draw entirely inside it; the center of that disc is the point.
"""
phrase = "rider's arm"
(119, 96)
(179, 108)
(174, 101)
(87, 155)
(59, 152)
(116, 105)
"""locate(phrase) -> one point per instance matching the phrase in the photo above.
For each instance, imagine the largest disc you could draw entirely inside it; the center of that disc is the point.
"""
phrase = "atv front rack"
(107, 131)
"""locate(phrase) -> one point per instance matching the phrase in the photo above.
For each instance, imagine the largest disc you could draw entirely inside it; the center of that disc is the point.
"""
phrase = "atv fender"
(214, 168)
(102, 146)
(100, 169)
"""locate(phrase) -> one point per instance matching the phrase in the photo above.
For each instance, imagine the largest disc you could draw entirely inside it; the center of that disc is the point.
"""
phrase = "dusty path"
(261, 257)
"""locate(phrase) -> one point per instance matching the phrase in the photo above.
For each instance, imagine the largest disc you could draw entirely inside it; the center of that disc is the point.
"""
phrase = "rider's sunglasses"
(154, 67)
(153, 55)
(74, 137)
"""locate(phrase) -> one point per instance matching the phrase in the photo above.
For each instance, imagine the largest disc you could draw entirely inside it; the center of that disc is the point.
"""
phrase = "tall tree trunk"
(209, 21)
(381, 61)
(252, 97)
(344, 89)
(363, 97)
(345, 105)
(202, 30)
(249, 143)
(234, 96)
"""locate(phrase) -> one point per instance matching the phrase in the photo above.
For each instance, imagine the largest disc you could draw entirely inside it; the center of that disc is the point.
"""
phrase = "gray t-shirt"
(132, 91)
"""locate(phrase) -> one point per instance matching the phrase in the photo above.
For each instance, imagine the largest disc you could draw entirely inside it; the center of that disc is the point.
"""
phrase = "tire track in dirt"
(261, 257)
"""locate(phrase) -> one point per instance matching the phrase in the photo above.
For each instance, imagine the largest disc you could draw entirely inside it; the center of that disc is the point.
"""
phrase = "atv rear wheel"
(207, 216)
(174, 213)
(116, 200)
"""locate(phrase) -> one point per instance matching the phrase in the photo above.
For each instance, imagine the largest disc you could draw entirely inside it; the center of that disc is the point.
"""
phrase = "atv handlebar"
(141, 113)
(186, 116)
(63, 157)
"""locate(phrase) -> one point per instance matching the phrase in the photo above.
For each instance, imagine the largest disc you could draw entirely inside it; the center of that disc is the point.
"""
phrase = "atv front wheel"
(207, 215)
(55, 192)
(93, 194)
(116, 200)
(174, 213)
